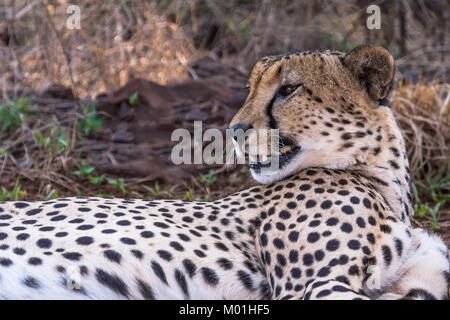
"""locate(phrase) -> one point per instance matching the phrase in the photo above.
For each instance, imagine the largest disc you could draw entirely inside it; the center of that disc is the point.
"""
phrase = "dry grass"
(413, 30)
(157, 40)
(423, 113)
(116, 42)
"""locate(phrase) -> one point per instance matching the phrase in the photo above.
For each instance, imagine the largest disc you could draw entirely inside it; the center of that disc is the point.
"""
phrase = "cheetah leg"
(426, 278)
(332, 290)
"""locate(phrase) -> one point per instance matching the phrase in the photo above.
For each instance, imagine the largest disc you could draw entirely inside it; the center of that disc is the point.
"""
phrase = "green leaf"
(133, 98)
(96, 180)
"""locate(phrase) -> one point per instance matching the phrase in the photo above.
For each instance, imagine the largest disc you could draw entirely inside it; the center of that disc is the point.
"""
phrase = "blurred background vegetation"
(158, 39)
(53, 78)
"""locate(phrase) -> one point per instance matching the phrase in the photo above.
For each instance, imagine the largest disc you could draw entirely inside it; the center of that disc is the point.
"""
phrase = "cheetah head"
(325, 106)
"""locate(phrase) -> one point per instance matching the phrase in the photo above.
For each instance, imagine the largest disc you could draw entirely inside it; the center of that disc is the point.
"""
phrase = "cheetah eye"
(287, 90)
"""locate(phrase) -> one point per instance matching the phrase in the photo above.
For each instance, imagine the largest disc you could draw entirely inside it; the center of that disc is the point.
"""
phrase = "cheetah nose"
(239, 143)
(242, 126)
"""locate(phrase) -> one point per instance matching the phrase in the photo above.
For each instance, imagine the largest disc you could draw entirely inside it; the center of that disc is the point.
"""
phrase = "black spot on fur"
(44, 243)
(348, 210)
(33, 212)
(31, 282)
(159, 272)
(165, 255)
(34, 261)
(145, 290)
(113, 256)
(419, 293)
(190, 267)
(111, 281)
(210, 276)
(225, 263)
(85, 240)
(387, 255)
(182, 283)
(5, 262)
(398, 246)
(126, 240)
(73, 256)
(246, 279)
(385, 228)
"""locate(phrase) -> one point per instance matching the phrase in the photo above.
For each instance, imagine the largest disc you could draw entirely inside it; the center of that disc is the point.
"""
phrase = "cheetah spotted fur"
(331, 223)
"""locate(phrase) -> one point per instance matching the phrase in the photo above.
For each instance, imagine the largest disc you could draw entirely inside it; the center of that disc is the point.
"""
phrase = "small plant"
(235, 179)
(97, 180)
(209, 179)
(43, 141)
(157, 191)
(89, 122)
(60, 137)
(84, 170)
(205, 198)
(431, 194)
(14, 113)
(118, 183)
(55, 143)
(54, 194)
(5, 153)
(78, 192)
(189, 195)
(102, 195)
(133, 98)
(15, 194)
(238, 177)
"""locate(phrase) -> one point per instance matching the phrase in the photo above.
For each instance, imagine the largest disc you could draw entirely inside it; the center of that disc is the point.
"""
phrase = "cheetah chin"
(295, 160)
(287, 166)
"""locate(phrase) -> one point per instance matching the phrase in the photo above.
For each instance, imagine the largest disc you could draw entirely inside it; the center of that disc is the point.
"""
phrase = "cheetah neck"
(385, 163)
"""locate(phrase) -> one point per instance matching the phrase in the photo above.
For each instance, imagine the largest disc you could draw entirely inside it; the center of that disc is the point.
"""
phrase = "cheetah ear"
(373, 67)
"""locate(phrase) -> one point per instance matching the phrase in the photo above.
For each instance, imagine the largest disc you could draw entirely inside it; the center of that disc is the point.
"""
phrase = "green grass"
(4, 152)
(97, 180)
(133, 98)
(190, 196)
(15, 194)
(13, 114)
(84, 170)
(157, 190)
(89, 122)
(431, 194)
(55, 142)
(118, 183)
(208, 179)
(53, 194)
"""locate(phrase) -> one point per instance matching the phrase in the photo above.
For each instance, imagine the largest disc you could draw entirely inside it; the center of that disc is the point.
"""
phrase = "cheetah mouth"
(285, 155)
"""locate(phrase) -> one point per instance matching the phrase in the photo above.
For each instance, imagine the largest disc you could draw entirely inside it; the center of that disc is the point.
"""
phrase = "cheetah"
(332, 222)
